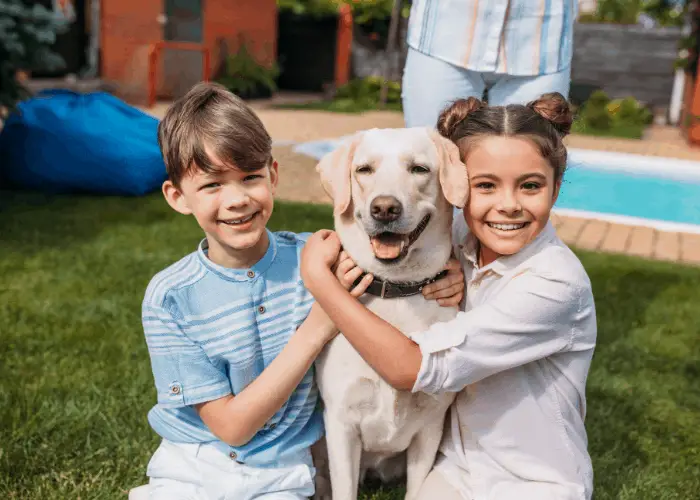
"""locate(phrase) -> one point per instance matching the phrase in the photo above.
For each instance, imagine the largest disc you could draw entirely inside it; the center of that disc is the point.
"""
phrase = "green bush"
(619, 117)
(246, 77)
(26, 36)
(628, 11)
(364, 11)
(598, 118)
(367, 90)
(629, 110)
(356, 96)
(317, 8)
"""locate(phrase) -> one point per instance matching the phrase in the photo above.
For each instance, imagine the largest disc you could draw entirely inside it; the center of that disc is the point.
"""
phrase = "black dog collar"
(392, 290)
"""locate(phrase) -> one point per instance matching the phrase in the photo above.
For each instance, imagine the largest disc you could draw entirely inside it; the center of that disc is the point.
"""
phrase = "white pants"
(431, 84)
(180, 471)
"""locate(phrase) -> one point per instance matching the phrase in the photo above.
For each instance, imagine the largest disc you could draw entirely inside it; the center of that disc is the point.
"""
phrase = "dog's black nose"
(386, 208)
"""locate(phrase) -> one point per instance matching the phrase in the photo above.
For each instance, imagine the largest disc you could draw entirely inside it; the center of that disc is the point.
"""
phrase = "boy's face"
(231, 206)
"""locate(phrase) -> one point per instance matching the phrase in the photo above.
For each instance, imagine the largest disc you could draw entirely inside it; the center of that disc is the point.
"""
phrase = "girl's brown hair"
(545, 122)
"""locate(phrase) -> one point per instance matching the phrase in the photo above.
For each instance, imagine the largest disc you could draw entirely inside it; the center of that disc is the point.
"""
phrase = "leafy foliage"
(620, 117)
(245, 76)
(662, 12)
(26, 36)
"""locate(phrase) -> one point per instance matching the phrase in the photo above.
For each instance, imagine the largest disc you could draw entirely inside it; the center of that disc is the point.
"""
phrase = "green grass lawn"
(76, 381)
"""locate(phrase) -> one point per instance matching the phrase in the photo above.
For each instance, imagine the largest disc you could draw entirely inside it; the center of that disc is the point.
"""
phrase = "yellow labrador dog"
(393, 192)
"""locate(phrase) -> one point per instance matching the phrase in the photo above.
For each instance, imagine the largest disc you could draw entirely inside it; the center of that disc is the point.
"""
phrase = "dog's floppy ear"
(453, 172)
(335, 170)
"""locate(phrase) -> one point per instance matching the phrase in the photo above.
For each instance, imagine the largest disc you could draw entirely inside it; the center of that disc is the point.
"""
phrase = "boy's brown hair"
(211, 117)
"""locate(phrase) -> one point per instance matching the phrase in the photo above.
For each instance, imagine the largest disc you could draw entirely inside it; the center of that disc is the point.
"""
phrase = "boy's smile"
(512, 191)
(232, 206)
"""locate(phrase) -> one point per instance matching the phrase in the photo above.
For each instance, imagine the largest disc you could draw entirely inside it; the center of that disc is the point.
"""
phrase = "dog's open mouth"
(394, 246)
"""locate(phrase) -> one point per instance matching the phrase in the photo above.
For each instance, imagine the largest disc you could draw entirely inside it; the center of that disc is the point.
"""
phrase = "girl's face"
(511, 193)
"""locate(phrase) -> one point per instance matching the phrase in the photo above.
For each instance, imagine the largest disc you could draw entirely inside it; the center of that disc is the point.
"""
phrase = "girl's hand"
(318, 256)
(347, 272)
(321, 257)
(449, 290)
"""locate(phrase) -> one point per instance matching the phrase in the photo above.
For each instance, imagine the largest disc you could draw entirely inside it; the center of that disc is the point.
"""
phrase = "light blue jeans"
(430, 85)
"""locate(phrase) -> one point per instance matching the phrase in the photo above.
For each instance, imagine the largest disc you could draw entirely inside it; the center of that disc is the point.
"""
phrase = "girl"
(519, 353)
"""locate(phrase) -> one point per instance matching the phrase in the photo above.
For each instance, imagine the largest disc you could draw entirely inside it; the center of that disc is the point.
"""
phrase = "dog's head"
(393, 192)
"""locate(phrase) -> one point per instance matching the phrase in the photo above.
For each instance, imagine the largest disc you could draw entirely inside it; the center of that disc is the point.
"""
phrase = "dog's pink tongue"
(386, 248)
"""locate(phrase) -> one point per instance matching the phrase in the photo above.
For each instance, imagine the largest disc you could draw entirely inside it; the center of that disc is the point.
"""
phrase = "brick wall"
(226, 20)
(130, 26)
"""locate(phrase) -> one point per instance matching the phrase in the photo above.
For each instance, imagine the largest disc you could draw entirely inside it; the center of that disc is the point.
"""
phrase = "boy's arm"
(236, 419)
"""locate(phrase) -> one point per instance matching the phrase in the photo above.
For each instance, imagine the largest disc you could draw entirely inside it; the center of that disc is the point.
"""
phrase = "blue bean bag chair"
(61, 141)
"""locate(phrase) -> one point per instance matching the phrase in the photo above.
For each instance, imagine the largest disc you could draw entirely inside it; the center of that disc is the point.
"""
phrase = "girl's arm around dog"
(394, 356)
(538, 314)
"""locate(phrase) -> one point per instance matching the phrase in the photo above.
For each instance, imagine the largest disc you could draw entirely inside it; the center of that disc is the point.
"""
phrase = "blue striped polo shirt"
(212, 330)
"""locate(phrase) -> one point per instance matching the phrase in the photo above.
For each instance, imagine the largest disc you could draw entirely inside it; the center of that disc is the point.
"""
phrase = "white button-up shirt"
(518, 355)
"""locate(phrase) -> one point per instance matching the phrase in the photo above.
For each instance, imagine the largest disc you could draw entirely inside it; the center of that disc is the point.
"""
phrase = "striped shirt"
(212, 330)
(516, 37)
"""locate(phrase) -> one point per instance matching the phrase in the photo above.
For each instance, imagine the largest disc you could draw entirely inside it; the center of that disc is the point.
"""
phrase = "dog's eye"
(364, 169)
(419, 169)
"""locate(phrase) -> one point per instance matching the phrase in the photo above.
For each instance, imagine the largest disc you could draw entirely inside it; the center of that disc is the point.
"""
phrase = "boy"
(231, 331)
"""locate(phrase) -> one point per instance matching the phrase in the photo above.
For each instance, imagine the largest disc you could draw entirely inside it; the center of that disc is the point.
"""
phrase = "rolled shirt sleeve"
(533, 317)
(184, 375)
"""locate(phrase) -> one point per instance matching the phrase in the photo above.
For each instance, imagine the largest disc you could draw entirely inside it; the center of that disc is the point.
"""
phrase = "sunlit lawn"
(76, 381)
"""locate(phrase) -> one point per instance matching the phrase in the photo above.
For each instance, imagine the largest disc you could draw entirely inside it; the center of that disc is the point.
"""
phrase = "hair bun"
(452, 116)
(554, 108)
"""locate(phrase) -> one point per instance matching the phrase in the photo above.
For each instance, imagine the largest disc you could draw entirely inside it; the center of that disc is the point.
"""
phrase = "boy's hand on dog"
(449, 290)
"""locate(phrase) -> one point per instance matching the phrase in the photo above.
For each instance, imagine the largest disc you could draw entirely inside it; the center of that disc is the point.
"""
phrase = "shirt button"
(176, 389)
(261, 309)
(233, 455)
(251, 274)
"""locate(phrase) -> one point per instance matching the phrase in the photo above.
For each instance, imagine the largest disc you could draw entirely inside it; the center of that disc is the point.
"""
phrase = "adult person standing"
(515, 50)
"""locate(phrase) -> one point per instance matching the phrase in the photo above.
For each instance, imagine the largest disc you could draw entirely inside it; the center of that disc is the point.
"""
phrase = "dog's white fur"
(369, 425)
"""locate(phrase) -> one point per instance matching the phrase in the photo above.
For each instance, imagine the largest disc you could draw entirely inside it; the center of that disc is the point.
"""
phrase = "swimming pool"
(632, 189)
(657, 192)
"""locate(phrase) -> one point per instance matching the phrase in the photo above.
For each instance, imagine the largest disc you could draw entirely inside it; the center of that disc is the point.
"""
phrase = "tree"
(27, 34)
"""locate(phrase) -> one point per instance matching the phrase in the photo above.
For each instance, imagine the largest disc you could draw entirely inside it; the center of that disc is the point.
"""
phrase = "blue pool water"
(642, 195)
(614, 184)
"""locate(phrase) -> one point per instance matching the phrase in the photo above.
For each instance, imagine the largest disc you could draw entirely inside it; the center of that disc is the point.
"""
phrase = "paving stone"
(690, 248)
(570, 229)
(592, 235)
(616, 238)
(668, 246)
(641, 242)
